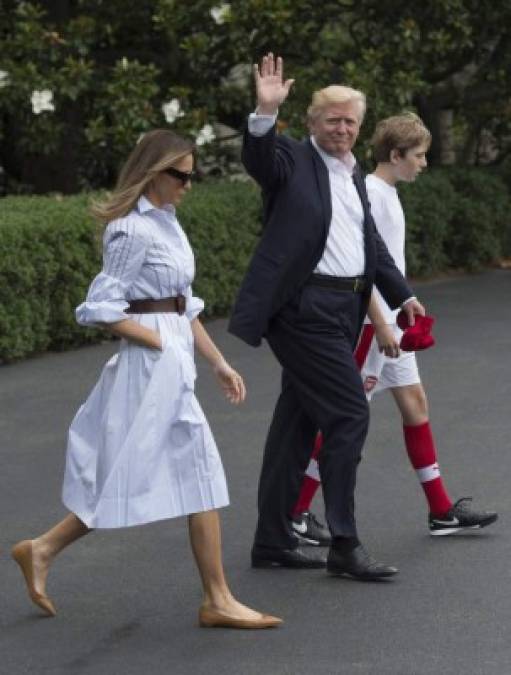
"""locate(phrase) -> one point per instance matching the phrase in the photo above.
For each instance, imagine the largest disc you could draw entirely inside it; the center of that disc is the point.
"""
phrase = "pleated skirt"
(140, 448)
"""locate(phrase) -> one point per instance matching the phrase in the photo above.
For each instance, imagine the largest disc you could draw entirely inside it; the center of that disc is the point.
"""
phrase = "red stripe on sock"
(318, 443)
(309, 485)
(307, 492)
(364, 345)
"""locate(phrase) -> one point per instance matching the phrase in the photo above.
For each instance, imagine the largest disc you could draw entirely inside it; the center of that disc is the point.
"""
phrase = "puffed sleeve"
(124, 251)
(194, 305)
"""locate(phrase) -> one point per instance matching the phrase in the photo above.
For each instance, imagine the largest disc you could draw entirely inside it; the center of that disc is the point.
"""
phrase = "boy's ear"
(395, 156)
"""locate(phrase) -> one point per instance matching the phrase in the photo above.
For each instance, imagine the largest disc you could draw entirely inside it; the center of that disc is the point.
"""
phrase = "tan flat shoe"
(210, 618)
(22, 554)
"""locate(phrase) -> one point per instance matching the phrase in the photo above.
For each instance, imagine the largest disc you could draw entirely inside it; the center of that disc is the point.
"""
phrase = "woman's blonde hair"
(335, 93)
(401, 133)
(156, 151)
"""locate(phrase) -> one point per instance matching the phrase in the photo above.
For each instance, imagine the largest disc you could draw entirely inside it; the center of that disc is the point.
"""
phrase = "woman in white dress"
(140, 448)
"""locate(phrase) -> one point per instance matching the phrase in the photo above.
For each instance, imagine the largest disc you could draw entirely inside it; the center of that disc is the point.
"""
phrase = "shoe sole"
(266, 564)
(360, 577)
(211, 619)
(454, 530)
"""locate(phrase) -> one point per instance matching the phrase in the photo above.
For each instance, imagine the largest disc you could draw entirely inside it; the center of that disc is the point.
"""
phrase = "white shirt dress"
(140, 448)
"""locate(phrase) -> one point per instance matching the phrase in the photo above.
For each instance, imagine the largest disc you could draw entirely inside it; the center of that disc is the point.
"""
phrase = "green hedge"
(50, 248)
(456, 218)
(48, 255)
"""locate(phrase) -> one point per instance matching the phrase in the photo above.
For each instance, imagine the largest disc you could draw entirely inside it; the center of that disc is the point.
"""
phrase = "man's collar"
(347, 163)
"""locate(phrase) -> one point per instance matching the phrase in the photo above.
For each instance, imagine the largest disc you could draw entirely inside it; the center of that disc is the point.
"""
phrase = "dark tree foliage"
(80, 80)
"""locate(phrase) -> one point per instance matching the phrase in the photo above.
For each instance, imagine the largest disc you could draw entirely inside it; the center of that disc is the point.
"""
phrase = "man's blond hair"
(335, 93)
(401, 133)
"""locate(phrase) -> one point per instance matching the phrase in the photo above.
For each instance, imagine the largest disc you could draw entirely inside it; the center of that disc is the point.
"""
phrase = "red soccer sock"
(420, 446)
(311, 480)
(364, 345)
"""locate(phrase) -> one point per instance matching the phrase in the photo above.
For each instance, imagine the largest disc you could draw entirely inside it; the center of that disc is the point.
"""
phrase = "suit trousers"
(313, 338)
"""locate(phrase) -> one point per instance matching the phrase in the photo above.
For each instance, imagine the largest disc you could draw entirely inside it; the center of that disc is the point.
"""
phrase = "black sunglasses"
(183, 176)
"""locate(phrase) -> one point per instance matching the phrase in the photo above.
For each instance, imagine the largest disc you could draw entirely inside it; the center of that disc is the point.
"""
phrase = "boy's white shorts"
(380, 372)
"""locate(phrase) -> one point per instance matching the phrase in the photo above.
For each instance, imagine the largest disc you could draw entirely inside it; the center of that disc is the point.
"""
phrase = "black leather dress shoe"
(300, 557)
(357, 564)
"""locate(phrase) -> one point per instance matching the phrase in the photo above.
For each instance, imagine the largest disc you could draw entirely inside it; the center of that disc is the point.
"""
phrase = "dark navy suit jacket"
(297, 214)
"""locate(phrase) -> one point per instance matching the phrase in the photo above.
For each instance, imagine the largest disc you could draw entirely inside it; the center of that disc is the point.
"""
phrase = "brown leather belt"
(148, 306)
(354, 284)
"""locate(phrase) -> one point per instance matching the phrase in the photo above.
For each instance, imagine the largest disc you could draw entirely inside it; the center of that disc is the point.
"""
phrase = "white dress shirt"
(344, 254)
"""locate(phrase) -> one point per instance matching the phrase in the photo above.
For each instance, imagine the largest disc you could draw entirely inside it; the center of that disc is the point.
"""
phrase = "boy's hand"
(387, 342)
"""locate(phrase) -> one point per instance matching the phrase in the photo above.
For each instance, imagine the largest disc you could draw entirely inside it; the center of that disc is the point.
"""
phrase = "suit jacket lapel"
(323, 184)
(369, 247)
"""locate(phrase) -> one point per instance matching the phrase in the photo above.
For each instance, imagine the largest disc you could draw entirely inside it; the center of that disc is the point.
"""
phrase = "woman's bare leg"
(205, 539)
(49, 544)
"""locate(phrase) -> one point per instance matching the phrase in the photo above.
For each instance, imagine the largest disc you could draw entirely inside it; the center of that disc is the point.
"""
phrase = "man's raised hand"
(271, 89)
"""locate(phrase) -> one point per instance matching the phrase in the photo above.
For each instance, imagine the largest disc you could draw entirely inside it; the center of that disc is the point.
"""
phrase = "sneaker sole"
(454, 530)
(311, 542)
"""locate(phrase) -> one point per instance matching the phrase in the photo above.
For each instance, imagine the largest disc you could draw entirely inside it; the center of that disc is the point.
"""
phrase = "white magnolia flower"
(172, 110)
(41, 101)
(205, 135)
(220, 13)
(4, 78)
(238, 76)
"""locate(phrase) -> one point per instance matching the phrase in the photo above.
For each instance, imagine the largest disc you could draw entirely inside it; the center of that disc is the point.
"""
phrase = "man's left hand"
(411, 308)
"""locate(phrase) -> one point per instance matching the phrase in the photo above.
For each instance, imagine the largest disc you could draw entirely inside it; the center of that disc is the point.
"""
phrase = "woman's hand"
(134, 332)
(230, 381)
(157, 343)
(387, 342)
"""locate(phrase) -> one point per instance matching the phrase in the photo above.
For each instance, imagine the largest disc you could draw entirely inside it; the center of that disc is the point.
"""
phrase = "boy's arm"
(387, 343)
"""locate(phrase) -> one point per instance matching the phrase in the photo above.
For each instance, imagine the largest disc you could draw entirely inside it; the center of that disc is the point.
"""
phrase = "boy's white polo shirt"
(390, 223)
(378, 371)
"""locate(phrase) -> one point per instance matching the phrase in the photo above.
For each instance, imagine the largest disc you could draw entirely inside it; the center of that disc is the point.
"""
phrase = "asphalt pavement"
(127, 600)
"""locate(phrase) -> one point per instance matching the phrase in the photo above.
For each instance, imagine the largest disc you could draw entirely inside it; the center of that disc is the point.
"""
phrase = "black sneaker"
(460, 517)
(309, 530)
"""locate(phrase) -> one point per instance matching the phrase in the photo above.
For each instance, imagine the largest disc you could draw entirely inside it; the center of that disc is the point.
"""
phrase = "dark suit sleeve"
(388, 279)
(268, 159)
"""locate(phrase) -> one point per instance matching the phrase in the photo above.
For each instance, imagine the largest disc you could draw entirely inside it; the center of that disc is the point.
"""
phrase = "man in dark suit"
(306, 291)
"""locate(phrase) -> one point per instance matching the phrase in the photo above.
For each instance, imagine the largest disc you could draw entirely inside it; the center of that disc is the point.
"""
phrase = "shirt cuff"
(91, 313)
(194, 307)
(412, 297)
(259, 125)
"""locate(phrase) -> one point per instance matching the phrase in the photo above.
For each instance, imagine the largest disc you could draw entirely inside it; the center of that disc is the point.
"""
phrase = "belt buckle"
(181, 304)
(357, 285)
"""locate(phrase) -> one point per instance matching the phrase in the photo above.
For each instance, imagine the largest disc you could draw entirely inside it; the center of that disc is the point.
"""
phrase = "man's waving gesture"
(271, 89)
